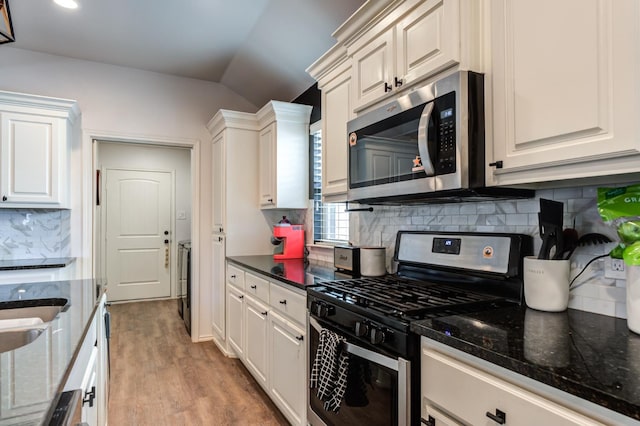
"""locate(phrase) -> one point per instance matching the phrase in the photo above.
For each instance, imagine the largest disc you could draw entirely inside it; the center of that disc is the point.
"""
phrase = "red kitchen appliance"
(292, 239)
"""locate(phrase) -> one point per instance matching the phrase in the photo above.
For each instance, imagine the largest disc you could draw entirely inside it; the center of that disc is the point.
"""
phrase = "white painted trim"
(88, 200)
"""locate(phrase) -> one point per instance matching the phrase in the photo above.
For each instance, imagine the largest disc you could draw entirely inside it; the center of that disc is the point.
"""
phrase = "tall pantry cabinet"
(238, 226)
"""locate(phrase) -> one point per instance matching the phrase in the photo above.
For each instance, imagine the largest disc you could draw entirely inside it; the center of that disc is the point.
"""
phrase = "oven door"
(378, 388)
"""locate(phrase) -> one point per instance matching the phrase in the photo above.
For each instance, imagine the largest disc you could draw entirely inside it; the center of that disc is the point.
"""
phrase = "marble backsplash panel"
(34, 233)
(593, 292)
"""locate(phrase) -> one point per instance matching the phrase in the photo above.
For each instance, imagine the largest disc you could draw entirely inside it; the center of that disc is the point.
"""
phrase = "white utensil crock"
(633, 297)
(546, 284)
(373, 261)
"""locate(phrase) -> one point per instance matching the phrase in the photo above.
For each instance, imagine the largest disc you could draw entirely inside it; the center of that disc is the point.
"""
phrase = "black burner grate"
(401, 297)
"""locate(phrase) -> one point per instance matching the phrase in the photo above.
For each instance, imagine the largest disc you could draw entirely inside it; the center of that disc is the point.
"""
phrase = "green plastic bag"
(620, 207)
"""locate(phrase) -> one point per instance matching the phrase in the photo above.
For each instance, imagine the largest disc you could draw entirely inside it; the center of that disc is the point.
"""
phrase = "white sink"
(19, 323)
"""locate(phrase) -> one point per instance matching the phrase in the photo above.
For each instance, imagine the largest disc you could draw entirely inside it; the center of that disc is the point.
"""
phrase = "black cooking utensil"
(550, 221)
(588, 240)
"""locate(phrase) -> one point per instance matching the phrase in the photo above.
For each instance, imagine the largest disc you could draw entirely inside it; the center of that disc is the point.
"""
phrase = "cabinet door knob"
(254, 287)
(4, 198)
(387, 87)
(264, 314)
(283, 302)
(499, 417)
(220, 229)
(301, 338)
(241, 297)
(270, 200)
(496, 164)
(219, 238)
(233, 276)
(397, 81)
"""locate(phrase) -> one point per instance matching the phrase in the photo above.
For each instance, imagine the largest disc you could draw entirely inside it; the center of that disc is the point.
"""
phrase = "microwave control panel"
(445, 120)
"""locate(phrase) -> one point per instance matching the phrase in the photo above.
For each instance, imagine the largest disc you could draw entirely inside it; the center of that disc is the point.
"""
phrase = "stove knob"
(377, 336)
(362, 329)
(320, 310)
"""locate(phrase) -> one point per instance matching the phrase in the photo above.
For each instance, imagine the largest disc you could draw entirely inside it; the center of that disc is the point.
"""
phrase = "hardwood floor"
(159, 377)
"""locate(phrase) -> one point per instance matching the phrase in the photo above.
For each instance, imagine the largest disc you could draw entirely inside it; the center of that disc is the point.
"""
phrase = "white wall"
(134, 104)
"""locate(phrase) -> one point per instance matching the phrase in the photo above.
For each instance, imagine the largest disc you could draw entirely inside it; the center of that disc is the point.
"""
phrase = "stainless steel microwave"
(427, 144)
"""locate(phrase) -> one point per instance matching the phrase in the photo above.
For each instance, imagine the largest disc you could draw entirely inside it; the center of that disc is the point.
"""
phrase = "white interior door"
(138, 215)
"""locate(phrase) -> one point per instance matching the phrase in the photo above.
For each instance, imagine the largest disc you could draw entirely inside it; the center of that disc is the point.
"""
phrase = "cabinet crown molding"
(225, 119)
(364, 18)
(332, 59)
(283, 111)
(64, 108)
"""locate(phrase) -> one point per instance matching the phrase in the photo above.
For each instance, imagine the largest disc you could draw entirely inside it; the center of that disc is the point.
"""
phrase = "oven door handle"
(423, 147)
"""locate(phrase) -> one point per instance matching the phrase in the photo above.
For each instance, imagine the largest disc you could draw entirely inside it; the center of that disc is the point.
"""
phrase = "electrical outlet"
(614, 269)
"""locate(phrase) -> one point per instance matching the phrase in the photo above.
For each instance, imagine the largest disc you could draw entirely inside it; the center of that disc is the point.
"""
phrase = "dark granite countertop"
(16, 264)
(594, 357)
(48, 359)
(295, 272)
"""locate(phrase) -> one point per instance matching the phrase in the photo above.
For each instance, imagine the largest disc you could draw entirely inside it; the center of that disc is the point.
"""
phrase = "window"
(330, 220)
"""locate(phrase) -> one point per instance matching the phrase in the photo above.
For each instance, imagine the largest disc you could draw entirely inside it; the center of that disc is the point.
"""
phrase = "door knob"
(166, 232)
(4, 198)
(166, 241)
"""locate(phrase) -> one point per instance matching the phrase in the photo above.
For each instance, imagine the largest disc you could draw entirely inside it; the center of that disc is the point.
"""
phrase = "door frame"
(102, 226)
(89, 227)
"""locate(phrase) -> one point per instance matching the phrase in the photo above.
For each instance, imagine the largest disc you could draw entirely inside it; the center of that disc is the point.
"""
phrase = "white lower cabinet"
(454, 392)
(288, 368)
(266, 329)
(218, 287)
(257, 328)
(235, 319)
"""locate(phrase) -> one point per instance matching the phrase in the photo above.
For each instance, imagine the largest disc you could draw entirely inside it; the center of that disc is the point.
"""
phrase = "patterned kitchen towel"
(329, 371)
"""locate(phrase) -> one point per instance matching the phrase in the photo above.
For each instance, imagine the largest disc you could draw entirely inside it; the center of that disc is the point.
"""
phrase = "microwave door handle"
(423, 148)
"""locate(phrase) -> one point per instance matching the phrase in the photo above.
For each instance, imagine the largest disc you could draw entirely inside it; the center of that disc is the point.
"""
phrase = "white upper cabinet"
(284, 155)
(218, 184)
(385, 49)
(414, 41)
(35, 139)
(336, 112)
(235, 184)
(566, 94)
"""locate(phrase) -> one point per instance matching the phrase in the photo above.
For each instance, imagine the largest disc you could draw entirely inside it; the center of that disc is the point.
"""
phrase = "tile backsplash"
(593, 292)
(34, 233)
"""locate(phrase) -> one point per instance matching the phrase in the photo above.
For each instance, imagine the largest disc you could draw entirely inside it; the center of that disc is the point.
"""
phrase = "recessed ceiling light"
(69, 4)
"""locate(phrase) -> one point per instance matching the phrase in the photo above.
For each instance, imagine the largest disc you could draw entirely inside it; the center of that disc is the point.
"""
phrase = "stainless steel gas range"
(368, 320)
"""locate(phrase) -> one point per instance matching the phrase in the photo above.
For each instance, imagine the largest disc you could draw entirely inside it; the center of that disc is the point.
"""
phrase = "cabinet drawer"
(472, 395)
(256, 286)
(288, 302)
(235, 276)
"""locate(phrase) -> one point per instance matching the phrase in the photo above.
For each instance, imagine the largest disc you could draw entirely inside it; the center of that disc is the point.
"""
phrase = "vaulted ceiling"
(258, 48)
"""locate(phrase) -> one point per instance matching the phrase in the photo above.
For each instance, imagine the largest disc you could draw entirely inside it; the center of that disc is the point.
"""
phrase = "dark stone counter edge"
(534, 372)
(269, 274)
(20, 264)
